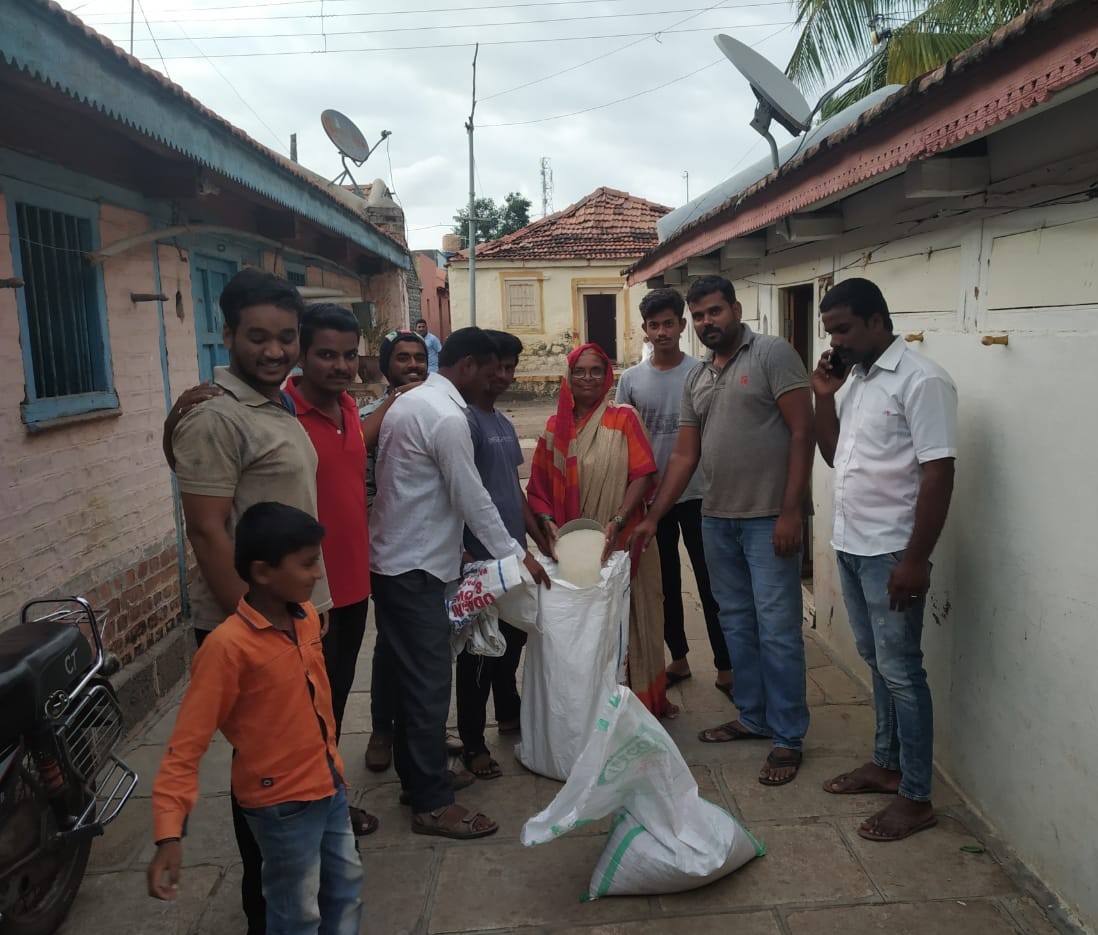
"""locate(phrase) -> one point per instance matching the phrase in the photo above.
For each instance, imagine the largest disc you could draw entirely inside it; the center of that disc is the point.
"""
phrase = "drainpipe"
(177, 504)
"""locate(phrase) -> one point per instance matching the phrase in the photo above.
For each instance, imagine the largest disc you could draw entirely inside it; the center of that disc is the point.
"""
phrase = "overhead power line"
(469, 44)
(437, 26)
(628, 97)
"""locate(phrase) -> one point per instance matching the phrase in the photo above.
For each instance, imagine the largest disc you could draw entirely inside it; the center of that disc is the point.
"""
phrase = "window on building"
(62, 319)
(522, 307)
(295, 273)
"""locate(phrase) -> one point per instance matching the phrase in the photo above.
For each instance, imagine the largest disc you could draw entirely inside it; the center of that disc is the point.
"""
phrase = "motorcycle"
(60, 782)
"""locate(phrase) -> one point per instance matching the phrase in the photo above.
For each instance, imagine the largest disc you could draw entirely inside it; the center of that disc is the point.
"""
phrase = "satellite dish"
(347, 137)
(778, 97)
(350, 142)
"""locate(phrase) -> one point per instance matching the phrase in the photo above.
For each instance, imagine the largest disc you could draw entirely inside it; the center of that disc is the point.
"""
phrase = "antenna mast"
(472, 202)
(546, 187)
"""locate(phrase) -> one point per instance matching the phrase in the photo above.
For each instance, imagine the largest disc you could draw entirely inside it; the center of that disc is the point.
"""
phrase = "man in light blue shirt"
(434, 345)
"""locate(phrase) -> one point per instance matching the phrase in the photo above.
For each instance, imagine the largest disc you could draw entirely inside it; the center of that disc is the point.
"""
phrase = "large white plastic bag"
(481, 585)
(518, 605)
(574, 658)
(666, 837)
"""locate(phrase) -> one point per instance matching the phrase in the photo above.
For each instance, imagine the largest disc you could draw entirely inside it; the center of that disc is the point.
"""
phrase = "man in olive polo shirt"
(237, 449)
(747, 418)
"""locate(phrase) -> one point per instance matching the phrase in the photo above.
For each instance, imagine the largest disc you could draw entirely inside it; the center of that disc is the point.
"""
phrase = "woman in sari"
(594, 461)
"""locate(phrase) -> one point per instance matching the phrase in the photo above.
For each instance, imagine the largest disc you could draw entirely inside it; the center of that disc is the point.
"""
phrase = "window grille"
(65, 340)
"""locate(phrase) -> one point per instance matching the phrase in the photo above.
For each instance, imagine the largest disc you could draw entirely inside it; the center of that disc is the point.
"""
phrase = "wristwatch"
(618, 520)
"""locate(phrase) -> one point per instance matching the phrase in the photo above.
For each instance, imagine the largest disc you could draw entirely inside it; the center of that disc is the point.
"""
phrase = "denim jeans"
(759, 595)
(891, 642)
(312, 877)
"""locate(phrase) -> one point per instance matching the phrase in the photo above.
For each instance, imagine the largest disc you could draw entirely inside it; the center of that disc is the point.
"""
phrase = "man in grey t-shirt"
(654, 388)
(747, 418)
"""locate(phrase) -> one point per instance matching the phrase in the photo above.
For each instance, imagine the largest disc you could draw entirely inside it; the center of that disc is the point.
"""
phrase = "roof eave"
(39, 39)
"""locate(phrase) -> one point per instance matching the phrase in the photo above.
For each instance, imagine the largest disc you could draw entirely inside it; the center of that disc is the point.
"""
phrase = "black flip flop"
(780, 762)
(362, 822)
(673, 678)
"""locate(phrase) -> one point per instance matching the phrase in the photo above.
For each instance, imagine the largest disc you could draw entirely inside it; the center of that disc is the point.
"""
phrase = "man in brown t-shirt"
(236, 449)
(747, 418)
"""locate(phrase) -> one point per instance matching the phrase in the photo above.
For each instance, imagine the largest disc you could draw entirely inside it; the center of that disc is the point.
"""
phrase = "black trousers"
(414, 635)
(251, 883)
(346, 627)
(686, 516)
(479, 675)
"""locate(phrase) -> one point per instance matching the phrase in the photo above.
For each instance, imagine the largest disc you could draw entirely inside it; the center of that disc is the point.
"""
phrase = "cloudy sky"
(625, 93)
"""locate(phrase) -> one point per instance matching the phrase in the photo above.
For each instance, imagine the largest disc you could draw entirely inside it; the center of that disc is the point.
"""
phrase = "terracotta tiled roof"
(606, 225)
(347, 201)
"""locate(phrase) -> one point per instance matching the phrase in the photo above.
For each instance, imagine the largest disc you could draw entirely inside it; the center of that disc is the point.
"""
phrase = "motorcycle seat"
(37, 659)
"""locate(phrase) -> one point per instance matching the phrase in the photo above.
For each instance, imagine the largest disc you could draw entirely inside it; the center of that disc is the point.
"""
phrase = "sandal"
(673, 678)
(489, 768)
(467, 826)
(362, 822)
(733, 730)
(791, 760)
(853, 784)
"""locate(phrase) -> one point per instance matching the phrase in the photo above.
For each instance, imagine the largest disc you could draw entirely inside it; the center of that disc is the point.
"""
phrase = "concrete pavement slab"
(739, 923)
(975, 917)
(399, 884)
(804, 863)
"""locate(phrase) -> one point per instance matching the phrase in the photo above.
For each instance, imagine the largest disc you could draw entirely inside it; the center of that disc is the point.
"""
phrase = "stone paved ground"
(817, 878)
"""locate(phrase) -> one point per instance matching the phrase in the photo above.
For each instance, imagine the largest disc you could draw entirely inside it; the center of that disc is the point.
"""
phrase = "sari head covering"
(564, 479)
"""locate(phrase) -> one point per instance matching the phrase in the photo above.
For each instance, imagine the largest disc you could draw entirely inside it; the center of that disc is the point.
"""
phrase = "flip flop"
(464, 830)
(906, 833)
(362, 822)
(725, 688)
(782, 762)
(859, 787)
(730, 728)
(673, 678)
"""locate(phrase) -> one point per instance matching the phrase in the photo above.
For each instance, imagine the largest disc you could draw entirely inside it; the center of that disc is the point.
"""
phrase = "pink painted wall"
(83, 503)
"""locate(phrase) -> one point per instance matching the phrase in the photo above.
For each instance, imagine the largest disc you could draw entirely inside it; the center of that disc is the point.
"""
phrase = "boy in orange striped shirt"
(260, 679)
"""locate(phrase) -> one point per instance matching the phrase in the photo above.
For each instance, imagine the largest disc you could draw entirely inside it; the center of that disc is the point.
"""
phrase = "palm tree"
(836, 35)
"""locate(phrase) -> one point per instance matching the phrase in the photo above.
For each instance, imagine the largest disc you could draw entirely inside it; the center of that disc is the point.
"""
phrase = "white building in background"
(971, 197)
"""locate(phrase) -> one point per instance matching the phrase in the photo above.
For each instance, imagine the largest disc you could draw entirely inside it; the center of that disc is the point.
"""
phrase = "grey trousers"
(414, 639)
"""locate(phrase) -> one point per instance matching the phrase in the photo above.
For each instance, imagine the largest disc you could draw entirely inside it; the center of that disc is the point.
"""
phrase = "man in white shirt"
(893, 443)
(428, 489)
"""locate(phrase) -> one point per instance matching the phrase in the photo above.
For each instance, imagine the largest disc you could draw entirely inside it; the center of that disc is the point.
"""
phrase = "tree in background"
(492, 220)
(836, 35)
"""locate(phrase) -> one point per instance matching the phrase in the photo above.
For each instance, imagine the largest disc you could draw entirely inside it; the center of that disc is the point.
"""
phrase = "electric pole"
(546, 186)
(472, 202)
(686, 178)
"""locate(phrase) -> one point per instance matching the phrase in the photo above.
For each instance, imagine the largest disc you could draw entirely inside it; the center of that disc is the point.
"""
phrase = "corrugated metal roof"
(88, 67)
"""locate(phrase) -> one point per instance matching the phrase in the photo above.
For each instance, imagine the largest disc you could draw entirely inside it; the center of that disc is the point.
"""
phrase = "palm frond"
(834, 37)
(963, 16)
(877, 77)
(912, 52)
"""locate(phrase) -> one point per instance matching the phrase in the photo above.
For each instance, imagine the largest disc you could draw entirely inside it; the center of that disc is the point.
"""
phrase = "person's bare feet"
(867, 778)
(901, 818)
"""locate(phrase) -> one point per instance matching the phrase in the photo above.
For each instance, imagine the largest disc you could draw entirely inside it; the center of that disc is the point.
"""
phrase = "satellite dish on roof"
(778, 97)
(350, 142)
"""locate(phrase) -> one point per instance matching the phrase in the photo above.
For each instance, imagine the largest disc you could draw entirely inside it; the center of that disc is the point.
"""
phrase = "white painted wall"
(1011, 637)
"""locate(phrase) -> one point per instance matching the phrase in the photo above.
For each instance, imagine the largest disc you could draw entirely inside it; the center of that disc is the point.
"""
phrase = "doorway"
(795, 306)
(208, 278)
(601, 318)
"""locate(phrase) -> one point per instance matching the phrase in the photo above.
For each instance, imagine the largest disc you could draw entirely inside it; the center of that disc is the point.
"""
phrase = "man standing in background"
(654, 388)
(432, 343)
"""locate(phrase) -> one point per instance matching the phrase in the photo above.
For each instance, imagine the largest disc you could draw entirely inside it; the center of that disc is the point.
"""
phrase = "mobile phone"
(837, 364)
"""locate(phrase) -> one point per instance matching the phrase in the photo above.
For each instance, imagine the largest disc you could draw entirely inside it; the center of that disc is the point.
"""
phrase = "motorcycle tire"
(37, 898)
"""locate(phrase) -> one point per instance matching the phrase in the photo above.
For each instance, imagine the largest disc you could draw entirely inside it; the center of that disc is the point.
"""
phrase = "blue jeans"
(759, 596)
(312, 877)
(891, 642)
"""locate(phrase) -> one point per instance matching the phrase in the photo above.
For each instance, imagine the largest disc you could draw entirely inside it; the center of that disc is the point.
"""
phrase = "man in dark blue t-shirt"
(498, 456)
